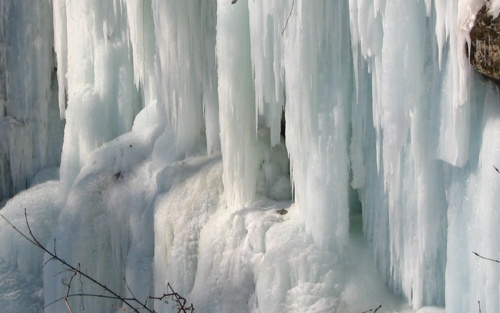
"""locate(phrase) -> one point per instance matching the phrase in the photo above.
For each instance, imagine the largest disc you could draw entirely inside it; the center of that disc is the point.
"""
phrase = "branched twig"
(289, 14)
(68, 290)
(485, 258)
(130, 290)
(32, 239)
(181, 301)
(133, 303)
(373, 310)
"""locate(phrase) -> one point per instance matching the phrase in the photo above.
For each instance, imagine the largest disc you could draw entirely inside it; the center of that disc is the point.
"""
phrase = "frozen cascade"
(187, 74)
(98, 78)
(174, 168)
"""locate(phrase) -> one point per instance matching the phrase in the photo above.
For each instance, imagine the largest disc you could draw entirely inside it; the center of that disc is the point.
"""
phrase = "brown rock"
(485, 45)
(282, 212)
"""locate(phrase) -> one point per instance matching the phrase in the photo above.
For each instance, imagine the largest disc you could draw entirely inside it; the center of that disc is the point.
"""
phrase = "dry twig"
(177, 298)
(373, 310)
(485, 258)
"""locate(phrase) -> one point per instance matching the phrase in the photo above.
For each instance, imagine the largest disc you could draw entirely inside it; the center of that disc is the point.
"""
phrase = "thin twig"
(90, 295)
(32, 239)
(289, 14)
(485, 258)
(128, 288)
(139, 305)
(479, 305)
(68, 289)
(16, 229)
(180, 300)
(373, 310)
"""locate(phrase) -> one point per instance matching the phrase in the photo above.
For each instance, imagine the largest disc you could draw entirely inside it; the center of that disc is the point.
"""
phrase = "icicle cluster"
(175, 168)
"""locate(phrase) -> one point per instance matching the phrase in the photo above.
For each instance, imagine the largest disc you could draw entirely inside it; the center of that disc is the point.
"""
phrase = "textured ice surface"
(174, 166)
(30, 130)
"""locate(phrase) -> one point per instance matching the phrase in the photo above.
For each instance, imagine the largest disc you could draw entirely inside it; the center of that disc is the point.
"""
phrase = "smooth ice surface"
(261, 156)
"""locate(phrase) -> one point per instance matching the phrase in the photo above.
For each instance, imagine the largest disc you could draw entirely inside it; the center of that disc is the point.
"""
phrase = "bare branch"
(29, 229)
(134, 304)
(68, 288)
(485, 258)
(32, 239)
(17, 230)
(128, 288)
(181, 301)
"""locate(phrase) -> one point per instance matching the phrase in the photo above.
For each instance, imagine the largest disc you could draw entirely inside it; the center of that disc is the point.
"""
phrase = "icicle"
(61, 49)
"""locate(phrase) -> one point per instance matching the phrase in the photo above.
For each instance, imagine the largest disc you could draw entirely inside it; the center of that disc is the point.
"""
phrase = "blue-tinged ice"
(259, 156)
(30, 131)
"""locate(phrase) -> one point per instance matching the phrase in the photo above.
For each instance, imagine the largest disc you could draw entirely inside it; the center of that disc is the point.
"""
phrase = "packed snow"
(258, 156)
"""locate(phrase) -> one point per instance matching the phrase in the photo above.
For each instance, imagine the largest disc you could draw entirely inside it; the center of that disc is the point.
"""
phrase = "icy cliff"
(174, 166)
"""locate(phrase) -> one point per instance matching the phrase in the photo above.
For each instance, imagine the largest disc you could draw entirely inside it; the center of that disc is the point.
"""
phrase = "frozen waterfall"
(259, 156)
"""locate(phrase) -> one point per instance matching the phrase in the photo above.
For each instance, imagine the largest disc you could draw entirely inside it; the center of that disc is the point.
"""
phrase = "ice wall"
(302, 64)
(141, 93)
(421, 136)
(127, 40)
(379, 101)
(396, 169)
(30, 129)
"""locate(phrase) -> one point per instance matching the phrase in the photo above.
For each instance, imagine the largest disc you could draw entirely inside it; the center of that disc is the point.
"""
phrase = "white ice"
(174, 167)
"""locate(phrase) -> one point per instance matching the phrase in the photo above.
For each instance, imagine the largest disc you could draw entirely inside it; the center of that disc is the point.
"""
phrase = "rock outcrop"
(485, 45)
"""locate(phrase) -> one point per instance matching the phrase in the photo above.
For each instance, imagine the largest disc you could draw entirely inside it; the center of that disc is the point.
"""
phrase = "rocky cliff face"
(485, 45)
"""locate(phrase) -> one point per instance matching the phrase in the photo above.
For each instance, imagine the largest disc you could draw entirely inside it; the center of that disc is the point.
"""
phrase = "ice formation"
(30, 132)
(174, 167)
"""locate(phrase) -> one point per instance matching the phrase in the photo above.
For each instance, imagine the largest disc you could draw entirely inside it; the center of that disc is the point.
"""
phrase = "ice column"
(98, 73)
(237, 105)
(30, 129)
(185, 49)
(267, 21)
(318, 69)
(300, 55)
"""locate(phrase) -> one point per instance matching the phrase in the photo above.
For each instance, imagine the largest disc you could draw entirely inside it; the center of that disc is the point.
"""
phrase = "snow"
(261, 156)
